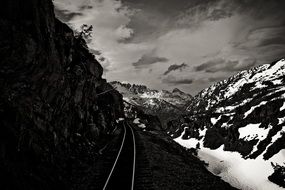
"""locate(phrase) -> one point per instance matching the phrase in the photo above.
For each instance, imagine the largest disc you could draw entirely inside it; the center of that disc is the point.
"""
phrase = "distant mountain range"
(165, 104)
(239, 122)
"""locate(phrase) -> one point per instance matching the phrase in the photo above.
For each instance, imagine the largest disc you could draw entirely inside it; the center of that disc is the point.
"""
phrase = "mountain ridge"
(244, 114)
(165, 104)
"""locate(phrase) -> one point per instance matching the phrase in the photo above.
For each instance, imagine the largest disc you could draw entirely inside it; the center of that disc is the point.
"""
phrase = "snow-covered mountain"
(238, 126)
(268, 77)
(165, 104)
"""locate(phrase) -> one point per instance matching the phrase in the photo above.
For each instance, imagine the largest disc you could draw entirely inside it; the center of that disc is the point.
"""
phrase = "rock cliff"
(52, 109)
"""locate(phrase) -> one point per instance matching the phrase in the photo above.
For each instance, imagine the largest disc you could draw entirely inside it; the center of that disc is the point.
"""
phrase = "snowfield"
(246, 174)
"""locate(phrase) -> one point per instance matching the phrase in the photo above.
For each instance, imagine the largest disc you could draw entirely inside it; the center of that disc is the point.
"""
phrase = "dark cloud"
(102, 58)
(218, 14)
(171, 80)
(148, 59)
(84, 7)
(216, 79)
(207, 66)
(175, 67)
(268, 43)
(280, 40)
(269, 35)
(65, 15)
(222, 65)
(259, 9)
(95, 52)
(155, 18)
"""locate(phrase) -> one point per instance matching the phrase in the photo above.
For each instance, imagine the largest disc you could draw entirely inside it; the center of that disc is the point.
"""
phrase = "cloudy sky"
(188, 44)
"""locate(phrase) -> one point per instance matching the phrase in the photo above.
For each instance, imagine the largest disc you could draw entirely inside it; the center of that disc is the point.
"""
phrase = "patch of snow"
(141, 125)
(275, 71)
(259, 85)
(226, 109)
(232, 107)
(188, 143)
(252, 131)
(233, 88)
(77, 134)
(202, 132)
(283, 107)
(225, 125)
(276, 82)
(253, 108)
(136, 121)
(151, 95)
(281, 120)
(120, 119)
(250, 174)
(275, 137)
(151, 102)
(279, 157)
(214, 120)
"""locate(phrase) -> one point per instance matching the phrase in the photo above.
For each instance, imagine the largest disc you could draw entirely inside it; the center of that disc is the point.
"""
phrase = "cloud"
(216, 79)
(219, 37)
(66, 15)
(171, 80)
(148, 59)
(222, 65)
(218, 14)
(264, 36)
(175, 67)
(95, 52)
(101, 59)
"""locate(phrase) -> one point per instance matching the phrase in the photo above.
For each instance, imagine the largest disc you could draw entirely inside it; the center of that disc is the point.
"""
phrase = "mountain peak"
(165, 104)
(177, 90)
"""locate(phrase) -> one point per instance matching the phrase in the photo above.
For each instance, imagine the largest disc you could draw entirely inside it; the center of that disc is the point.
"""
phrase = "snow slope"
(239, 125)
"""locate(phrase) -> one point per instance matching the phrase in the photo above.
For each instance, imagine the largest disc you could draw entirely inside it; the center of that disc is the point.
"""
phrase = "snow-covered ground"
(247, 174)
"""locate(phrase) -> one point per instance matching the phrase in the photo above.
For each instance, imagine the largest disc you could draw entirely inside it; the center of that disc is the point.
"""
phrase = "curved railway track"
(122, 174)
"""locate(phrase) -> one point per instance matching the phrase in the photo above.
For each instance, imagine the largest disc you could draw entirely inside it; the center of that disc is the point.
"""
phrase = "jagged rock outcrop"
(51, 110)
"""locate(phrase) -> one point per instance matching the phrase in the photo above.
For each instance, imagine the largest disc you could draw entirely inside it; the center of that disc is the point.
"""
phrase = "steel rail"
(114, 165)
(134, 162)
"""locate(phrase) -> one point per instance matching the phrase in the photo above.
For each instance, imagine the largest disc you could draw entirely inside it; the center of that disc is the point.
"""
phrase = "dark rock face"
(278, 175)
(50, 101)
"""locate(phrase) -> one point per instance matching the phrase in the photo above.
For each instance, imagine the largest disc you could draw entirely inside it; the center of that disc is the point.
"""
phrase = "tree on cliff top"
(85, 32)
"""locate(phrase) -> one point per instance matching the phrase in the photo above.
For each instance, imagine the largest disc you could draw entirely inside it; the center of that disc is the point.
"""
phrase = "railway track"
(122, 174)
